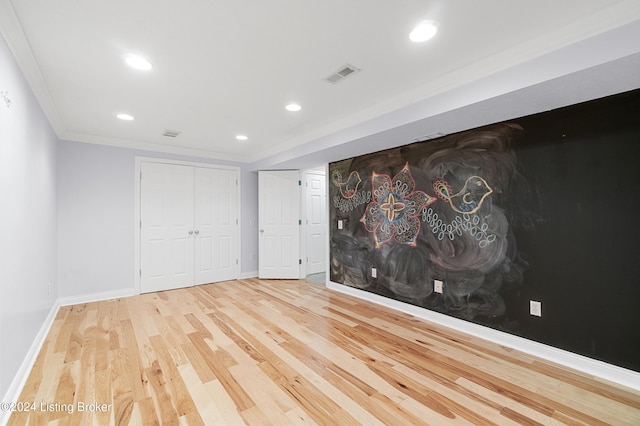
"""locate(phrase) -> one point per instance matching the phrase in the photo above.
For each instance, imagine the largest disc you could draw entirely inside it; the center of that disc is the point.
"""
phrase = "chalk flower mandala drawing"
(393, 213)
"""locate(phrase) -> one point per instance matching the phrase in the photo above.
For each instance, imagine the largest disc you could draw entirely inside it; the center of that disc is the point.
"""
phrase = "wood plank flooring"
(291, 352)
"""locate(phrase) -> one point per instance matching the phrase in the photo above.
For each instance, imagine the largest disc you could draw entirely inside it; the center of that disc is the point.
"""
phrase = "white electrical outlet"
(374, 273)
(437, 286)
(535, 308)
(340, 225)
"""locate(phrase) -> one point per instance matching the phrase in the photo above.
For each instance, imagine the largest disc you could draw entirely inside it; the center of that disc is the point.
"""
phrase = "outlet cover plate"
(374, 273)
(437, 286)
(535, 308)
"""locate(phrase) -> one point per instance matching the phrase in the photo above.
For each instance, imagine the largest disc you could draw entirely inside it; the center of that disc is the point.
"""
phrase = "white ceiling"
(227, 67)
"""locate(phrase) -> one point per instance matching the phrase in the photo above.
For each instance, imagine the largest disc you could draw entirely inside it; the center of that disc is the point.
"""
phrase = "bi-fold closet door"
(188, 225)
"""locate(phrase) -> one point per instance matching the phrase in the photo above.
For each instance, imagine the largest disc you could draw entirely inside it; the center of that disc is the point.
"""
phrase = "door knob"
(262, 231)
(190, 232)
(197, 232)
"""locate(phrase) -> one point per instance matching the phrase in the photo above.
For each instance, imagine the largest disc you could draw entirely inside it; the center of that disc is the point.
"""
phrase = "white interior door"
(166, 230)
(216, 225)
(279, 224)
(316, 222)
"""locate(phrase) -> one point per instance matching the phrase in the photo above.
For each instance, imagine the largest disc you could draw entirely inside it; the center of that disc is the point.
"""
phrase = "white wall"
(95, 219)
(249, 218)
(27, 219)
(96, 197)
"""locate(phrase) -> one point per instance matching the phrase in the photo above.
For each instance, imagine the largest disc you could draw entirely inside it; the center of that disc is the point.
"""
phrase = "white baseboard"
(599, 369)
(20, 378)
(250, 274)
(581, 363)
(95, 297)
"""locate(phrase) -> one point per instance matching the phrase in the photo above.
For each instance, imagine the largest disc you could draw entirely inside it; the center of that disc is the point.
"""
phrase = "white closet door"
(166, 229)
(216, 225)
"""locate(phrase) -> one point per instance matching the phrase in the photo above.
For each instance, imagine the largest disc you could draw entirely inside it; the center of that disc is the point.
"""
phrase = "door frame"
(137, 217)
(304, 248)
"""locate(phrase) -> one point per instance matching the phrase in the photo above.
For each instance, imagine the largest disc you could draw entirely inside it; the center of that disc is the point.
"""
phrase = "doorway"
(188, 224)
(315, 212)
(292, 224)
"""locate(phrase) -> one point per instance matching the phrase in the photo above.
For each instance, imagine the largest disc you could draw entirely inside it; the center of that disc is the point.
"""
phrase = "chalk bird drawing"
(350, 187)
(469, 199)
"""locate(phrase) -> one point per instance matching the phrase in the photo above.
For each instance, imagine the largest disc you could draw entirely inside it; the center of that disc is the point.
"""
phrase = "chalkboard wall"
(544, 207)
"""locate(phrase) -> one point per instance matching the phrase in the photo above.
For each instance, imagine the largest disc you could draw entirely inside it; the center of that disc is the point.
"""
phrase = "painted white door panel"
(316, 222)
(216, 219)
(279, 213)
(166, 212)
(189, 226)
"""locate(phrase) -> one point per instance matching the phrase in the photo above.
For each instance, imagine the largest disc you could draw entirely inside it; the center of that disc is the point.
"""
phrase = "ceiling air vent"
(171, 133)
(429, 137)
(342, 73)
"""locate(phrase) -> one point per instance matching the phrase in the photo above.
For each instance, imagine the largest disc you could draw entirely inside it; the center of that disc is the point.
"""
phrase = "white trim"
(140, 159)
(304, 193)
(21, 376)
(302, 262)
(327, 249)
(250, 274)
(95, 297)
(596, 368)
(136, 207)
(11, 30)
(304, 246)
(602, 370)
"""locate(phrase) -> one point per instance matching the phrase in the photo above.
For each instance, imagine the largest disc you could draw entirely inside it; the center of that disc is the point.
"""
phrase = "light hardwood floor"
(292, 352)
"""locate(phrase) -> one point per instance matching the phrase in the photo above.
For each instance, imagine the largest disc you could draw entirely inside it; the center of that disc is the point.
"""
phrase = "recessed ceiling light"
(138, 62)
(293, 107)
(242, 137)
(424, 31)
(124, 116)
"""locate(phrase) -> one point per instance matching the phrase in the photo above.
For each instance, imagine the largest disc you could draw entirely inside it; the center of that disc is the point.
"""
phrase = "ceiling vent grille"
(429, 137)
(342, 73)
(171, 133)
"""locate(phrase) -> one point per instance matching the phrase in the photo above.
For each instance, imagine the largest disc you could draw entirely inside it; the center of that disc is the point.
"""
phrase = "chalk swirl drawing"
(392, 214)
(465, 223)
(348, 204)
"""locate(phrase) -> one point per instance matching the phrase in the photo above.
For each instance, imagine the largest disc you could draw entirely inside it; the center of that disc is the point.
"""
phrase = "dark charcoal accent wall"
(544, 207)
